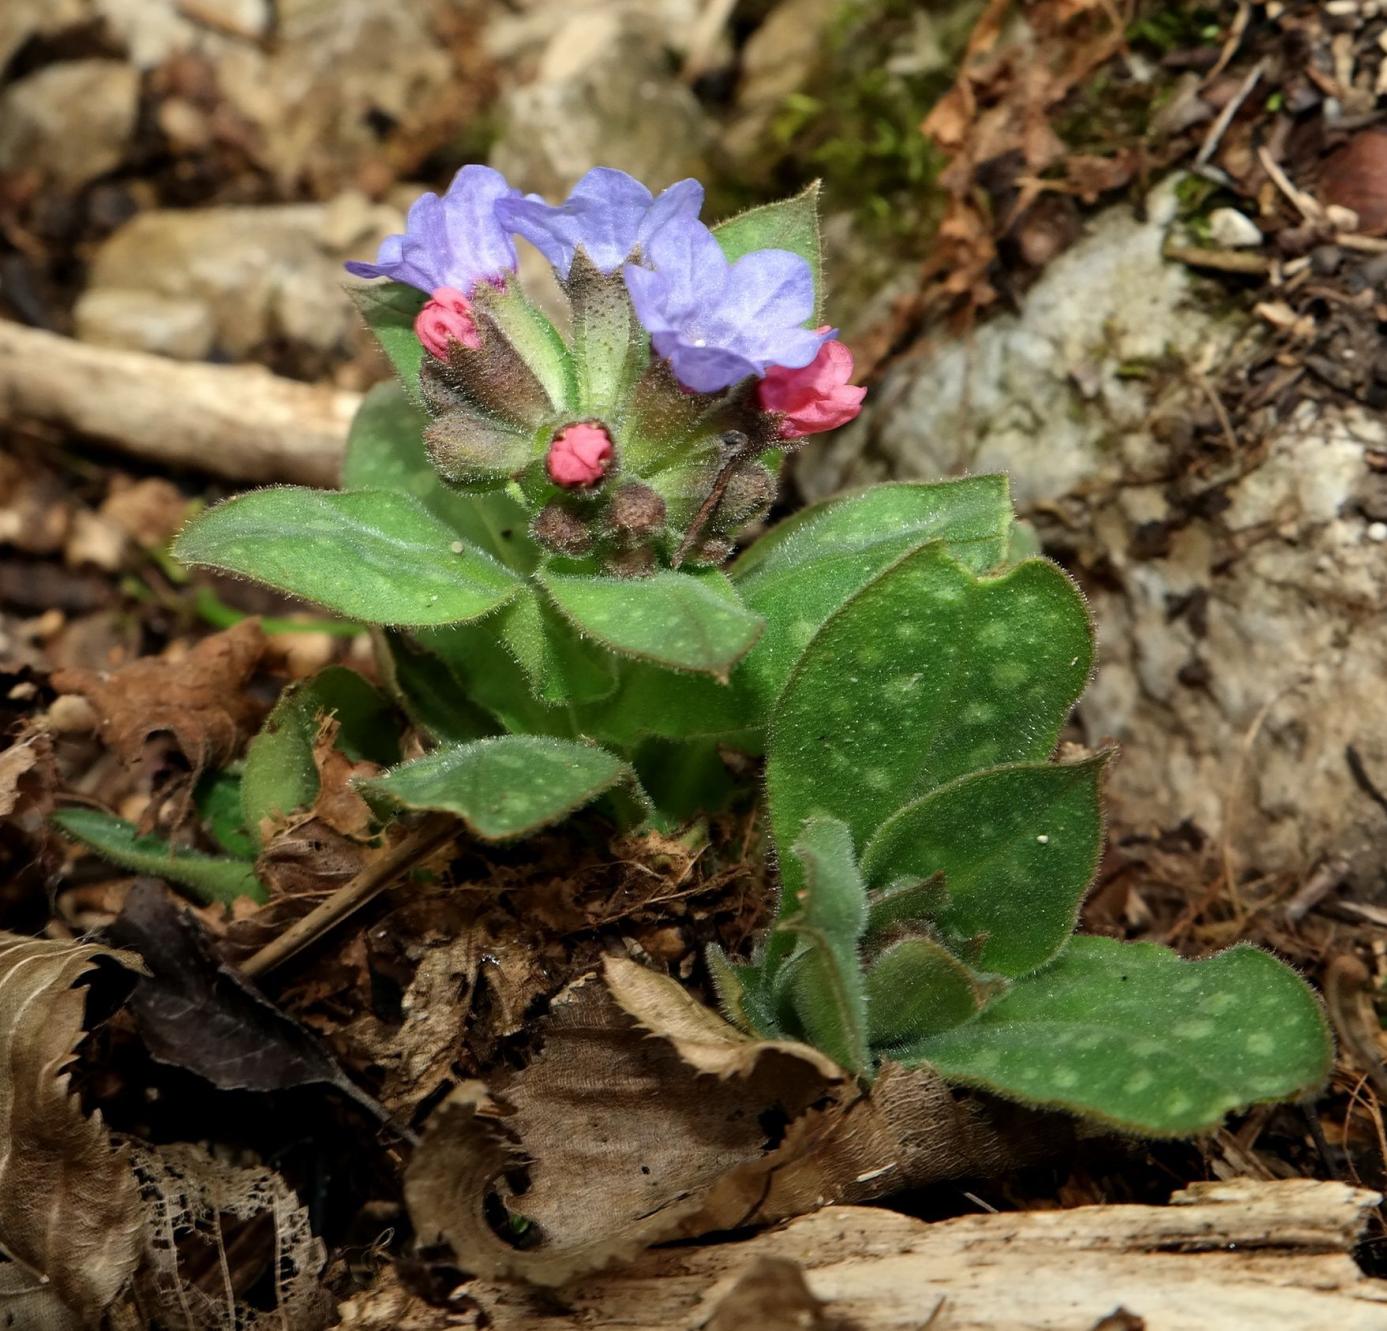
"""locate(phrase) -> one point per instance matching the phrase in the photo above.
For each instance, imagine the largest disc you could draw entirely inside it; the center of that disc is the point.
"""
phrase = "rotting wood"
(1222, 1257)
(240, 422)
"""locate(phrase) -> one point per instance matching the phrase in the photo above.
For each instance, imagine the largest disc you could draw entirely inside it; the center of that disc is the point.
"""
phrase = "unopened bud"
(710, 552)
(579, 456)
(446, 318)
(636, 511)
(750, 492)
(565, 533)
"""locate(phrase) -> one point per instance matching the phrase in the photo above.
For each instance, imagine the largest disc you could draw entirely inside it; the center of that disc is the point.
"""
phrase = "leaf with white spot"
(1017, 847)
(928, 673)
(683, 621)
(368, 554)
(504, 787)
(1135, 1036)
(917, 987)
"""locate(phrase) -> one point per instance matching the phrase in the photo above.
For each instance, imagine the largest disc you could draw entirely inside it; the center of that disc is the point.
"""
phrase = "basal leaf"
(928, 673)
(390, 309)
(741, 995)
(280, 775)
(915, 988)
(824, 976)
(1017, 847)
(211, 877)
(802, 570)
(218, 799)
(429, 692)
(385, 451)
(788, 224)
(1131, 1034)
(369, 554)
(685, 621)
(561, 667)
(507, 786)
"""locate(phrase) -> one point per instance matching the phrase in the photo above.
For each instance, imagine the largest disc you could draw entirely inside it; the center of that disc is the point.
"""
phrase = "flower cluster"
(716, 322)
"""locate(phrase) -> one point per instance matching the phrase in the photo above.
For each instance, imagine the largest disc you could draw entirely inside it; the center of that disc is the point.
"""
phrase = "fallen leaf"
(195, 1208)
(69, 1209)
(28, 779)
(771, 1295)
(1355, 177)
(175, 718)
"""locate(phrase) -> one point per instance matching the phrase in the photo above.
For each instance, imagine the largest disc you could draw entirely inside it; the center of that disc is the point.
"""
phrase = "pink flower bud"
(579, 456)
(446, 318)
(814, 398)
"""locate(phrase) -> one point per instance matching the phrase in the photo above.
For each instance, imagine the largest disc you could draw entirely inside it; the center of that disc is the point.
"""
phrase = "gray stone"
(71, 122)
(1233, 230)
(145, 321)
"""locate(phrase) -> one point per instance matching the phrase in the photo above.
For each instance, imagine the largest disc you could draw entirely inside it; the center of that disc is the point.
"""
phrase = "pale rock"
(23, 19)
(252, 274)
(71, 121)
(604, 95)
(1231, 230)
(170, 326)
(1291, 639)
(519, 32)
(153, 30)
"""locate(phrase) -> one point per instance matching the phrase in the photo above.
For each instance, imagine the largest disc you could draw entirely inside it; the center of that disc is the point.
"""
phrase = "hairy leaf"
(917, 987)
(528, 329)
(385, 451)
(369, 554)
(1017, 847)
(211, 877)
(787, 224)
(1131, 1034)
(507, 786)
(927, 673)
(804, 568)
(69, 1209)
(390, 309)
(428, 690)
(684, 621)
(561, 667)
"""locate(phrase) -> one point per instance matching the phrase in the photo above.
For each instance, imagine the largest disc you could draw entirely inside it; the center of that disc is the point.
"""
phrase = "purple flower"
(718, 322)
(607, 214)
(456, 241)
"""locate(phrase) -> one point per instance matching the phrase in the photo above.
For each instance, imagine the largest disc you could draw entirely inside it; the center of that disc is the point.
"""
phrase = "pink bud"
(579, 456)
(446, 318)
(815, 397)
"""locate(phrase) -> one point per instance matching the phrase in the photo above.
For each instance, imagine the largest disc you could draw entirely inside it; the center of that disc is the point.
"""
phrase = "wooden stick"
(373, 879)
(236, 421)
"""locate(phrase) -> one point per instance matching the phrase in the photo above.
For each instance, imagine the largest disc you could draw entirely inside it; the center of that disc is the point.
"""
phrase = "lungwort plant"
(540, 520)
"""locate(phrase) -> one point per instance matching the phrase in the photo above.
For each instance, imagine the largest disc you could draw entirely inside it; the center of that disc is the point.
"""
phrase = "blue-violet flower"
(455, 241)
(607, 214)
(718, 322)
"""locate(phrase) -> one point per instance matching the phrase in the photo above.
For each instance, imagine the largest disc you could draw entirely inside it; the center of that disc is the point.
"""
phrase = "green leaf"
(561, 667)
(218, 801)
(789, 224)
(1131, 1034)
(825, 981)
(1017, 847)
(368, 554)
(211, 877)
(741, 995)
(686, 621)
(802, 570)
(429, 692)
(507, 786)
(385, 451)
(929, 672)
(684, 779)
(280, 775)
(905, 901)
(653, 703)
(917, 987)
(390, 309)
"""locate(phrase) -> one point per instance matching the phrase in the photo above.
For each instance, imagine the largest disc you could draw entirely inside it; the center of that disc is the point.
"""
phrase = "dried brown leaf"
(28, 778)
(771, 1295)
(176, 717)
(69, 1209)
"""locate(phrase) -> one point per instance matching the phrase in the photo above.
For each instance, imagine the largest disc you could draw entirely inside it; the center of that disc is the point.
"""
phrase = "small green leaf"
(429, 692)
(905, 901)
(1017, 847)
(218, 801)
(741, 995)
(928, 673)
(507, 786)
(685, 621)
(1132, 1035)
(788, 224)
(211, 877)
(390, 309)
(280, 776)
(804, 568)
(651, 702)
(915, 988)
(561, 667)
(385, 451)
(368, 554)
(824, 976)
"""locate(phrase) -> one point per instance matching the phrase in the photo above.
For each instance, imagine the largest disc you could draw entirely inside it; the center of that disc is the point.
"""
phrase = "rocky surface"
(1241, 641)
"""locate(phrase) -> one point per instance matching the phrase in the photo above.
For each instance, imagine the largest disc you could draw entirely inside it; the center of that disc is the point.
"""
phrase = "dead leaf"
(1355, 177)
(28, 779)
(195, 1013)
(771, 1295)
(69, 1210)
(176, 717)
(195, 1275)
